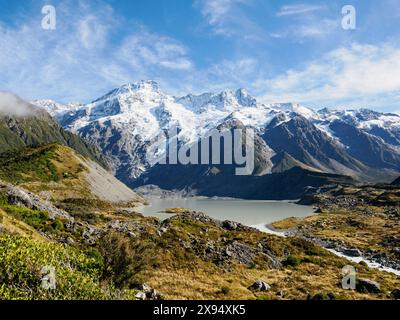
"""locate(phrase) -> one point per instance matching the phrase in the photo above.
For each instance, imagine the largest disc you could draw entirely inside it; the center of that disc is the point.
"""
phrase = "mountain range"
(290, 139)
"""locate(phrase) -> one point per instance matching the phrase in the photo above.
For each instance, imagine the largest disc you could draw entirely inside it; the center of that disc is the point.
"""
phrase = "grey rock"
(395, 294)
(148, 293)
(352, 252)
(229, 225)
(280, 293)
(24, 198)
(243, 253)
(260, 285)
(140, 295)
(367, 286)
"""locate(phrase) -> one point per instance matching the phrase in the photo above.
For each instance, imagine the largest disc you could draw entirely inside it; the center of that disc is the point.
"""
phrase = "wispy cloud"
(290, 10)
(359, 74)
(227, 18)
(145, 49)
(306, 22)
(85, 55)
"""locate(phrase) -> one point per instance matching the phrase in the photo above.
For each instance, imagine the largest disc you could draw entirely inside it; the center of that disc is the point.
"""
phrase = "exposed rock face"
(241, 252)
(352, 252)
(22, 197)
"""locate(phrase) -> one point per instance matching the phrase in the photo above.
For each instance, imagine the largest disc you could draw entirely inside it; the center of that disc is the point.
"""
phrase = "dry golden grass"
(17, 227)
(72, 183)
(286, 223)
(207, 281)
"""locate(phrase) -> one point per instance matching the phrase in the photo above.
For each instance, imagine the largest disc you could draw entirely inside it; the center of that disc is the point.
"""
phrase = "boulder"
(148, 293)
(352, 252)
(395, 294)
(229, 225)
(280, 293)
(241, 252)
(367, 286)
(260, 285)
(24, 198)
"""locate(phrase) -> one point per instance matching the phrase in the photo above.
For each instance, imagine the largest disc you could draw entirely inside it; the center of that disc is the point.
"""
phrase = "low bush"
(292, 261)
(23, 264)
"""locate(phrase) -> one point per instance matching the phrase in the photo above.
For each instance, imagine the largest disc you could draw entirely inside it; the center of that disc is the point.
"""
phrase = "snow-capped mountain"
(127, 120)
(56, 109)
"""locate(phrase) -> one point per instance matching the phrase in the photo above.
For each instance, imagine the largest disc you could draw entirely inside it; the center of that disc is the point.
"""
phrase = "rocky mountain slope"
(32, 126)
(59, 173)
(126, 122)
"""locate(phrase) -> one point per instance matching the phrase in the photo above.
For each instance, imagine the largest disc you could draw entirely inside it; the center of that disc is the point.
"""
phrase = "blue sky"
(278, 50)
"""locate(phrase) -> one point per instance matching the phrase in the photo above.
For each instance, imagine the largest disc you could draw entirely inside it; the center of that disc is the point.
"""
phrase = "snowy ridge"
(125, 121)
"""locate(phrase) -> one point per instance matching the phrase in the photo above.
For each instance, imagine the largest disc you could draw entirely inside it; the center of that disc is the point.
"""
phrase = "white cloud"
(14, 106)
(227, 18)
(147, 49)
(85, 56)
(360, 74)
(289, 10)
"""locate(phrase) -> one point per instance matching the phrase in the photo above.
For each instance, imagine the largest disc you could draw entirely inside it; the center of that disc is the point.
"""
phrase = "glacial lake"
(248, 212)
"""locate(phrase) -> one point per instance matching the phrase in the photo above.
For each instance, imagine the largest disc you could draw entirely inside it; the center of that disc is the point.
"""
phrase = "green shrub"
(308, 247)
(363, 263)
(313, 260)
(3, 199)
(34, 218)
(19, 166)
(58, 225)
(22, 261)
(125, 258)
(292, 261)
(225, 290)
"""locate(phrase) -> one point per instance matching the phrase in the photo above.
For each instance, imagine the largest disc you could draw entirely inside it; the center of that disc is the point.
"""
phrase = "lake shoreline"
(247, 212)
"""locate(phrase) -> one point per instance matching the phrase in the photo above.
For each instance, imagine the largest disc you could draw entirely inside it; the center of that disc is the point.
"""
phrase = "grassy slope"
(174, 262)
(366, 224)
(25, 249)
(52, 168)
(181, 272)
(177, 259)
(17, 133)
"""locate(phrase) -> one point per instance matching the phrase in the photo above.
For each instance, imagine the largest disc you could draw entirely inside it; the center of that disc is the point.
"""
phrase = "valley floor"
(99, 249)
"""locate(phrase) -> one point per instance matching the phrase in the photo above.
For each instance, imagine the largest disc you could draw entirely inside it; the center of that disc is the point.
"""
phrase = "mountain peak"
(146, 86)
(149, 85)
(142, 85)
(244, 98)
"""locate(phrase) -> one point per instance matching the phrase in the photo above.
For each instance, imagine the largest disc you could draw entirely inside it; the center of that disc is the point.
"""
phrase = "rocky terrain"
(358, 221)
(188, 256)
